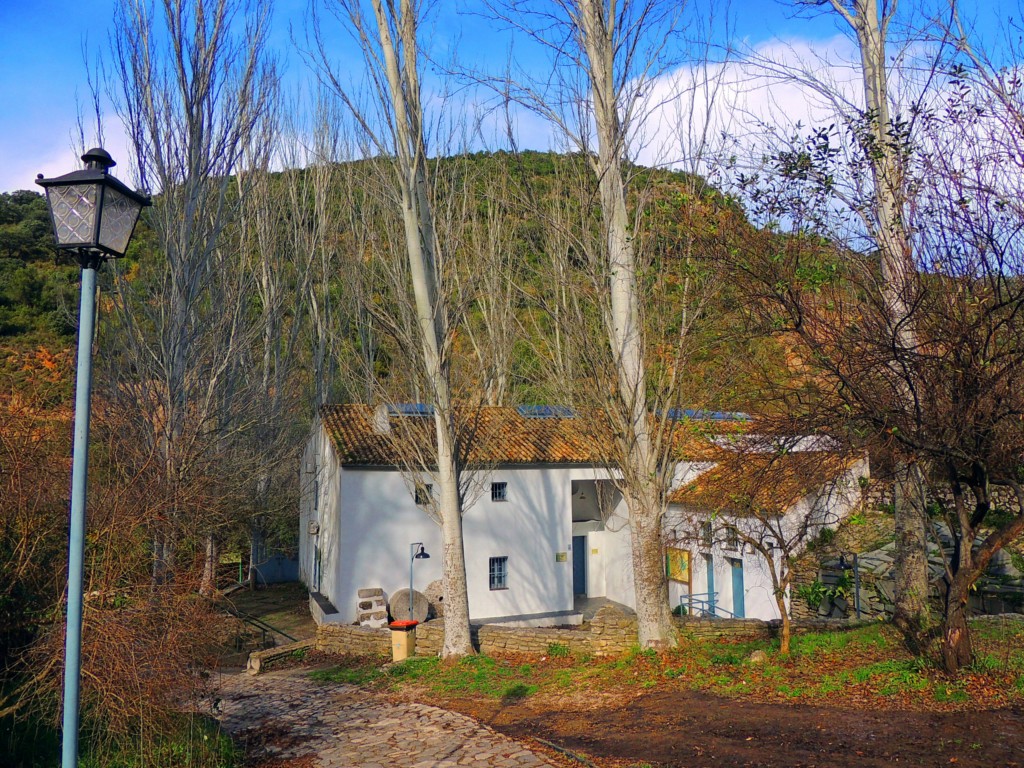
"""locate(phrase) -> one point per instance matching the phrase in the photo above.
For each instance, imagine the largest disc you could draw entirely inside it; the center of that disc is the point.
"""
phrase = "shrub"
(558, 650)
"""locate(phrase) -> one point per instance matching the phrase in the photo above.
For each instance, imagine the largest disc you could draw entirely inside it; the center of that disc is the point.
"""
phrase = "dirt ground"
(683, 728)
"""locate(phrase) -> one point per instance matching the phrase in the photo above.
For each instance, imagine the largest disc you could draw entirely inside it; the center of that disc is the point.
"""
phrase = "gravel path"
(284, 718)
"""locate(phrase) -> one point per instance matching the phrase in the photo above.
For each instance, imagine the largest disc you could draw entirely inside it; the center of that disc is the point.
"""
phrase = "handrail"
(706, 603)
(257, 622)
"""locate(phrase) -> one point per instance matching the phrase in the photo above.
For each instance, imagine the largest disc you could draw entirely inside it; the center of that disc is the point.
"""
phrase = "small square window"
(424, 493)
(732, 539)
(499, 491)
(497, 572)
(706, 534)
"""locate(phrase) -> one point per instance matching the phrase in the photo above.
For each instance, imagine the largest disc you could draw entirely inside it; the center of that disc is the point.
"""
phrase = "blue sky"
(44, 45)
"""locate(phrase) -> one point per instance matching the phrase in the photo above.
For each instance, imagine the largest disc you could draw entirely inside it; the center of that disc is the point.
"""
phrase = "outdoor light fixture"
(93, 213)
(93, 216)
(855, 567)
(415, 554)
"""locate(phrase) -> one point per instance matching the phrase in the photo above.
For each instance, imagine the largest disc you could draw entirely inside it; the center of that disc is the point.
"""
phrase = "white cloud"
(53, 154)
(696, 111)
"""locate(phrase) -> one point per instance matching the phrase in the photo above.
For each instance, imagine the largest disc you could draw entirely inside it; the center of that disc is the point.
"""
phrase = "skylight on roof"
(546, 411)
(410, 409)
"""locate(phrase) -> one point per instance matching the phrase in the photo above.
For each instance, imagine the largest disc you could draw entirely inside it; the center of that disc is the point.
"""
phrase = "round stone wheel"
(435, 594)
(399, 606)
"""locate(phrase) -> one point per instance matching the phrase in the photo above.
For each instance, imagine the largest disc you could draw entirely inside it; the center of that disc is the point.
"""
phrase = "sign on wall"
(677, 564)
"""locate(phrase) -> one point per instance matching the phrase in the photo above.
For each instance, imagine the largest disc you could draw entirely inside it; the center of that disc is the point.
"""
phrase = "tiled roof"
(500, 435)
(742, 483)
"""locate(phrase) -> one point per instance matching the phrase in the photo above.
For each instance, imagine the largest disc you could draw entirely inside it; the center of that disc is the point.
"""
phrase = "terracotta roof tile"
(742, 483)
(501, 435)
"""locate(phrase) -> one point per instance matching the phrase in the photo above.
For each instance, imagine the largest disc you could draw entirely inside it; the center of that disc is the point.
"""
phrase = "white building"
(543, 522)
(739, 517)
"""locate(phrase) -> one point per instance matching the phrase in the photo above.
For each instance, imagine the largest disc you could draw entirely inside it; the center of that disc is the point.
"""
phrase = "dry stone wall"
(610, 633)
(347, 638)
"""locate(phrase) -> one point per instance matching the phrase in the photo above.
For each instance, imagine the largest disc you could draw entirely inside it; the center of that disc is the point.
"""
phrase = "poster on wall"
(677, 564)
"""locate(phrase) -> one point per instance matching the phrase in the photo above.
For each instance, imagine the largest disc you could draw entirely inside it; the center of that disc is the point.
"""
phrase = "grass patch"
(471, 675)
(558, 650)
(823, 667)
(353, 670)
(951, 693)
(194, 742)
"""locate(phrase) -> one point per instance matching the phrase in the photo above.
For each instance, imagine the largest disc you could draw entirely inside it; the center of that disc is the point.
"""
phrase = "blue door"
(738, 607)
(579, 565)
(709, 561)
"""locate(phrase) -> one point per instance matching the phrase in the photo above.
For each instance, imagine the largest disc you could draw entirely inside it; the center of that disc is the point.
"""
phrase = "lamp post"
(93, 216)
(414, 555)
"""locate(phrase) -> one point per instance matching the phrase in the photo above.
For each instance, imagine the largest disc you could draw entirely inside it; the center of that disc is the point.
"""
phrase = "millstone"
(399, 605)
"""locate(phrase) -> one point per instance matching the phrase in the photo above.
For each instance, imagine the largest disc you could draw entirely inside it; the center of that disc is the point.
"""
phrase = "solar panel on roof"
(546, 411)
(410, 409)
(679, 414)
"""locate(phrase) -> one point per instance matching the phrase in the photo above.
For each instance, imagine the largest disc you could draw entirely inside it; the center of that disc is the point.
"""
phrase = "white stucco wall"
(319, 505)
(825, 508)
(380, 520)
(368, 518)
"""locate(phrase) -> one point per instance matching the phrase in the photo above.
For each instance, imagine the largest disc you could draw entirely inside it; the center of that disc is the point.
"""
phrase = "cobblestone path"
(283, 717)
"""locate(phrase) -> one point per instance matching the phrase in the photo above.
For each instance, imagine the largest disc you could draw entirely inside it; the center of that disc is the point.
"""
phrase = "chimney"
(381, 420)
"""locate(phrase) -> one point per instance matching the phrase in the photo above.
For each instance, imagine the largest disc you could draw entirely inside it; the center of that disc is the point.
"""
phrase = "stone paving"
(283, 716)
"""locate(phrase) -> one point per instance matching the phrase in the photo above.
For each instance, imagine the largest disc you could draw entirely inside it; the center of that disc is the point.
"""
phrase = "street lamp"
(93, 217)
(414, 555)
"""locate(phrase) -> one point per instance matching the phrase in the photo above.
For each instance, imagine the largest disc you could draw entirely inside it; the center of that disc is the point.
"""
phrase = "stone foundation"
(611, 633)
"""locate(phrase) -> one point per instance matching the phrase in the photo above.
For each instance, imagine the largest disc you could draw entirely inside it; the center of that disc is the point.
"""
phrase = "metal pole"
(79, 478)
(856, 585)
(412, 559)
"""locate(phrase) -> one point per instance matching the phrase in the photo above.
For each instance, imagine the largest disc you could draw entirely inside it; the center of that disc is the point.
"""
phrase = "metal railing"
(703, 604)
(258, 623)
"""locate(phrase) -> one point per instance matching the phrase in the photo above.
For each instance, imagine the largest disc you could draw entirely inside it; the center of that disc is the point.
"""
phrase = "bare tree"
(884, 138)
(192, 91)
(605, 57)
(858, 180)
(388, 39)
(952, 402)
(775, 501)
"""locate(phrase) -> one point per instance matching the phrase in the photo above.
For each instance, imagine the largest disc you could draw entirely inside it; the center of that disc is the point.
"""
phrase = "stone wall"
(348, 638)
(610, 633)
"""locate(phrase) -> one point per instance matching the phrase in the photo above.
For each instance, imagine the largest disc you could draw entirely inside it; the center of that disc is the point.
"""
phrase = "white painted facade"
(825, 508)
(358, 522)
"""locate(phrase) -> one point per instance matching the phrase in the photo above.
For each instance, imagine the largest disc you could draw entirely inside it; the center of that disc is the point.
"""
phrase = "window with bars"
(423, 494)
(706, 534)
(499, 491)
(732, 539)
(497, 573)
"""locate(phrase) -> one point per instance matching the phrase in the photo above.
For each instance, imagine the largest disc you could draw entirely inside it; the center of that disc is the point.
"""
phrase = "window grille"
(497, 572)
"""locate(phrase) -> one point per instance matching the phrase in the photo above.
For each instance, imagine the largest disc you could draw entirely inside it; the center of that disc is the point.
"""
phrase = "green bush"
(812, 593)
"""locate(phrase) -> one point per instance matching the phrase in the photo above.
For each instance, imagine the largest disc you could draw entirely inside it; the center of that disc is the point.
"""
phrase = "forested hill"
(38, 295)
(39, 290)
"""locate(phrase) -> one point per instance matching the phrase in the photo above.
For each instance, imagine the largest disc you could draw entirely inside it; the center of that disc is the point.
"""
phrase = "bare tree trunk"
(787, 625)
(870, 21)
(392, 52)
(910, 571)
(625, 336)
(208, 584)
(957, 650)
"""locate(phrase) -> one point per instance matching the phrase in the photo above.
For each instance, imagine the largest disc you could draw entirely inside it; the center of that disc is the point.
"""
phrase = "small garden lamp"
(844, 565)
(93, 217)
(414, 555)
